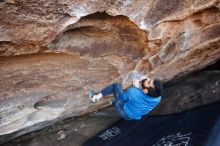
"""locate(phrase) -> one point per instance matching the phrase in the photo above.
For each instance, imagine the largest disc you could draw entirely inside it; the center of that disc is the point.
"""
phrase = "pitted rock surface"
(53, 52)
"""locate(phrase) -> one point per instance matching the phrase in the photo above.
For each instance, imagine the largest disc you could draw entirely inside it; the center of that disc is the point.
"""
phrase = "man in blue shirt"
(137, 100)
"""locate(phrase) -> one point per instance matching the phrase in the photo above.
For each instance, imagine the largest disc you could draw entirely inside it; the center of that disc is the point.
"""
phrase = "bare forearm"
(136, 81)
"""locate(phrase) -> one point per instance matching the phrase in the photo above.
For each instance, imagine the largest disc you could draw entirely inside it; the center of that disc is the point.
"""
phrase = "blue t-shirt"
(138, 103)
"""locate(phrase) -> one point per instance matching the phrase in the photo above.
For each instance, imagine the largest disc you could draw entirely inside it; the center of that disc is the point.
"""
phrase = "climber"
(136, 101)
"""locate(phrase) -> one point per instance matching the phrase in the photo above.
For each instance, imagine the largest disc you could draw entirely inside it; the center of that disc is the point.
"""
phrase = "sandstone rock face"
(190, 91)
(46, 87)
(53, 52)
(184, 93)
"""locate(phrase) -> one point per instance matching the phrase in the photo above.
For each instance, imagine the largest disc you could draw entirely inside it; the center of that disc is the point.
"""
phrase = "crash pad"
(196, 127)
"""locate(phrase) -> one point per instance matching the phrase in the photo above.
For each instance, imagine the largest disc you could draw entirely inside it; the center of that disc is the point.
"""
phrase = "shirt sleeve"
(125, 97)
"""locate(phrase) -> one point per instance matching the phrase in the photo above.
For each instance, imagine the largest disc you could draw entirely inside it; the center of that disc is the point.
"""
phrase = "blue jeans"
(118, 101)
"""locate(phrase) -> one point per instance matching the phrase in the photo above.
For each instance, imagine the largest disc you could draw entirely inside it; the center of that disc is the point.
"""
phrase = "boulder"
(53, 52)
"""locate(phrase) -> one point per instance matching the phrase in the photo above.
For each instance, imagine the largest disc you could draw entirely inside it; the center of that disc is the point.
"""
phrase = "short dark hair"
(156, 91)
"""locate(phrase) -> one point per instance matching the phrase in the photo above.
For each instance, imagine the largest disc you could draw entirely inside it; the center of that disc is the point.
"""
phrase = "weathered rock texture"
(190, 91)
(184, 93)
(53, 52)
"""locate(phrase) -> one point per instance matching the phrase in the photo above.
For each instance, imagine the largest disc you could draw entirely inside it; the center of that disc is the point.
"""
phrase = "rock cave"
(53, 52)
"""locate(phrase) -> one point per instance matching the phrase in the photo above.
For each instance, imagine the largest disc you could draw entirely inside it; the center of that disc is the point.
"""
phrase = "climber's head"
(152, 87)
